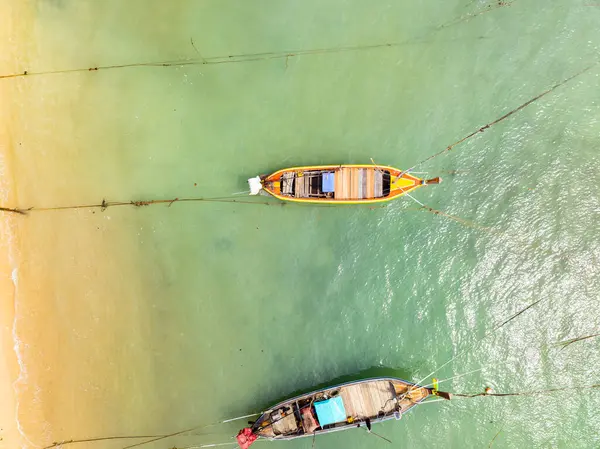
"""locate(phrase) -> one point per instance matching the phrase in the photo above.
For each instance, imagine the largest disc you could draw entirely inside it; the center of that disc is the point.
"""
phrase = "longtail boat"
(341, 407)
(338, 184)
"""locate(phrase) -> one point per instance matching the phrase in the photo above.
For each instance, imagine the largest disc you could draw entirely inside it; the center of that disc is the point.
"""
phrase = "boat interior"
(344, 183)
(345, 406)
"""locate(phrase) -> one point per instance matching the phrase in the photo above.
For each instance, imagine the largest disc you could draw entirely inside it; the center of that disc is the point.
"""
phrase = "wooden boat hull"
(341, 407)
(339, 184)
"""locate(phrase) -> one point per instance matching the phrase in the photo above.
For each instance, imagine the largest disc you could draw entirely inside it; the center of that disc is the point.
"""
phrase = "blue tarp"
(330, 411)
(328, 182)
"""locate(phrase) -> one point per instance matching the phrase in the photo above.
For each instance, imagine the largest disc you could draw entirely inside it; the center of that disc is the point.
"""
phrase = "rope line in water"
(462, 221)
(454, 377)
(190, 430)
(496, 435)
(250, 57)
(487, 334)
(432, 401)
(505, 116)
(527, 393)
(473, 345)
(91, 440)
(490, 8)
(232, 199)
(139, 203)
(215, 445)
(244, 57)
(569, 342)
(210, 445)
(153, 437)
(468, 223)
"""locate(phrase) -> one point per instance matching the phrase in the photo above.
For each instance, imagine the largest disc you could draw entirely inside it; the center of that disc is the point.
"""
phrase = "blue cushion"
(328, 182)
(330, 411)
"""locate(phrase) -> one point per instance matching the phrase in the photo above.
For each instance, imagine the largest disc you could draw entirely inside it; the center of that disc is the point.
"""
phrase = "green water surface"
(245, 304)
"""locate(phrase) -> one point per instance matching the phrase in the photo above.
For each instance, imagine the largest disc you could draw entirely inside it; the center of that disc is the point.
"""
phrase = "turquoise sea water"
(203, 311)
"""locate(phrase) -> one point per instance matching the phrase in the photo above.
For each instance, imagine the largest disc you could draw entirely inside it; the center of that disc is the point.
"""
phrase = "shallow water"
(149, 320)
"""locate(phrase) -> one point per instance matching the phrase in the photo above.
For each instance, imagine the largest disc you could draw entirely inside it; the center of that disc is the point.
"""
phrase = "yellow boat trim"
(322, 167)
(365, 201)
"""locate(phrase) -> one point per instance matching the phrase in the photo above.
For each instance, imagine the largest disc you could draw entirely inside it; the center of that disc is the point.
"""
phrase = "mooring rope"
(473, 345)
(192, 429)
(462, 221)
(569, 342)
(490, 7)
(505, 116)
(91, 440)
(228, 59)
(453, 377)
(527, 393)
(153, 437)
(139, 203)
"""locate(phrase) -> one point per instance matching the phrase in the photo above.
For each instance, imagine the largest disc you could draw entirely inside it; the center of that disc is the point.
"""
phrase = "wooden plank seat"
(343, 184)
(352, 183)
(367, 400)
(378, 184)
(301, 187)
(287, 183)
(362, 183)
